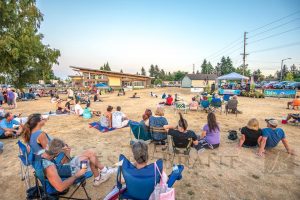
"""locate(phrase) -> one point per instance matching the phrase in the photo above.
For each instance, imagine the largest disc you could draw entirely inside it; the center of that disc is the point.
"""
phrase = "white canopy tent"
(233, 76)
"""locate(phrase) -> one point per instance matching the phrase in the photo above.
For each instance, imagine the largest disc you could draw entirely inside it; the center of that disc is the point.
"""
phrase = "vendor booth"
(233, 83)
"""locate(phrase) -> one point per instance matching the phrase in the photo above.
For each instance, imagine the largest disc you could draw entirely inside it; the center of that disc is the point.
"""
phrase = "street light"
(282, 66)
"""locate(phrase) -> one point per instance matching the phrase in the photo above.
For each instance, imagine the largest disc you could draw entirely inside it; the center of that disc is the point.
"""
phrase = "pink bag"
(161, 190)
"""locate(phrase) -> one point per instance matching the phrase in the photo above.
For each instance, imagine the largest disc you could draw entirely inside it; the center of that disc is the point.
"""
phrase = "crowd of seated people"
(48, 149)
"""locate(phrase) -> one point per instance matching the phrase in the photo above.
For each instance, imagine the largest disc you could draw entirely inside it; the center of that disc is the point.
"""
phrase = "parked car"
(269, 85)
(294, 85)
(281, 85)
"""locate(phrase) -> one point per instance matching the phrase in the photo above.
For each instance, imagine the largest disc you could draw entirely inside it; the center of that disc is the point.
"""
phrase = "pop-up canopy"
(101, 85)
(233, 76)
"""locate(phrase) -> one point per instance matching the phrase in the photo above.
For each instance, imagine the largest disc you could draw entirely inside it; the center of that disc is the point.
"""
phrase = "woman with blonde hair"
(250, 134)
(158, 120)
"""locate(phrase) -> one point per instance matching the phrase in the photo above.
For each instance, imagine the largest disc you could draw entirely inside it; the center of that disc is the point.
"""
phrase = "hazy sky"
(174, 34)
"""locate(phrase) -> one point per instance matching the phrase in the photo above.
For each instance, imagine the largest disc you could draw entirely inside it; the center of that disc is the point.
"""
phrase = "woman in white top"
(78, 108)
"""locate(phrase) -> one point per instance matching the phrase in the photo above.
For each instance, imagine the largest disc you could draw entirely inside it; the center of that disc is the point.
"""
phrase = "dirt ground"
(225, 173)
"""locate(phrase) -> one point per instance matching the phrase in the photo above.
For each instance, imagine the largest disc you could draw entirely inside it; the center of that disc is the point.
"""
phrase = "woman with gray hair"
(74, 169)
(140, 154)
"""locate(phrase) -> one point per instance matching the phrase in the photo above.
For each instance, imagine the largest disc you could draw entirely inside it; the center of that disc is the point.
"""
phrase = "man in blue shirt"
(7, 126)
(271, 136)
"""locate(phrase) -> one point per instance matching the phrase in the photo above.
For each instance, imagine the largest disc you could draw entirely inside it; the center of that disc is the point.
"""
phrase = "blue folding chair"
(205, 105)
(140, 183)
(138, 131)
(26, 159)
(226, 97)
(47, 191)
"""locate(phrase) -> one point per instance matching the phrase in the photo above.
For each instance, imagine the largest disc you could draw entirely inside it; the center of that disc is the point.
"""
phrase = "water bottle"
(175, 169)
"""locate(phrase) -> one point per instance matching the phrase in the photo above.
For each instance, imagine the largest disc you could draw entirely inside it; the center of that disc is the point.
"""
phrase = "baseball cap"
(272, 121)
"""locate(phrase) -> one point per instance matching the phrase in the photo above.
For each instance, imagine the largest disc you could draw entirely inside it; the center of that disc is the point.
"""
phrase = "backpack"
(232, 135)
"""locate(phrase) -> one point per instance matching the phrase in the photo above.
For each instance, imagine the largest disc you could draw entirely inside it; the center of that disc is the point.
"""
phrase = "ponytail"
(31, 123)
(182, 122)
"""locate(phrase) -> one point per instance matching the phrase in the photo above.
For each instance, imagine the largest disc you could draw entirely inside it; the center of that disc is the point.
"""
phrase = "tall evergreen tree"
(143, 71)
(151, 71)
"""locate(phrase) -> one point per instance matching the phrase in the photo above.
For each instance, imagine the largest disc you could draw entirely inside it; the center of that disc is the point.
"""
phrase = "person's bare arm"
(167, 127)
(55, 180)
(242, 140)
(203, 134)
(285, 143)
(43, 140)
(262, 146)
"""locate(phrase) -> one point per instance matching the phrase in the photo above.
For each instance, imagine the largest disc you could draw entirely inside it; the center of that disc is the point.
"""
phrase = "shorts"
(75, 165)
(10, 102)
(72, 98)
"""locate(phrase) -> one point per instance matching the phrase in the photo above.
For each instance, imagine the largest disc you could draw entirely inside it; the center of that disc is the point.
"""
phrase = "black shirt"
(251, 136)
(181, 139)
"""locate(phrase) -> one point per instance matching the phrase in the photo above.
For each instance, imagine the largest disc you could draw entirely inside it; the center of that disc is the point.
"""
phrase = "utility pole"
(193, 68)
(244, 54)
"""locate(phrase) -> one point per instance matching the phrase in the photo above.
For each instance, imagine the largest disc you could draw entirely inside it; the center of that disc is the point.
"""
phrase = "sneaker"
(104, 176)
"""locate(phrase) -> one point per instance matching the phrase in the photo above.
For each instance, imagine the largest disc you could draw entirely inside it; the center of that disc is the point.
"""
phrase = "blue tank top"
(35, 147)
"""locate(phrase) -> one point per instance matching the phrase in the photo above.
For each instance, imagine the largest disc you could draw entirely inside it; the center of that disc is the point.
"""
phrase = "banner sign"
(280, 93)
(228, 91)
(197, 90)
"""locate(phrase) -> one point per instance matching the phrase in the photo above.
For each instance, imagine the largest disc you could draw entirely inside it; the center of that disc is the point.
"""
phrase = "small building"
(198, 80)
(88, 77)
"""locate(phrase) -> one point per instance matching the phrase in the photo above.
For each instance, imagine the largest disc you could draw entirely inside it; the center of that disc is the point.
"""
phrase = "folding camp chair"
(216, 106)
(180, 106)
(204, 105)
(182, 148)
(138, 131)
(160, 130)
(230, 107)
(26, 159)
(140, 183)
(226, 97)
(47, 191)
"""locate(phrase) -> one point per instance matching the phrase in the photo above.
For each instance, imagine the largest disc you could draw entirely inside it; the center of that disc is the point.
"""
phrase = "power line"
(274, 35)
(274, 28)
(277, 47)
(225, 54)
(226, 47)
(275, 21)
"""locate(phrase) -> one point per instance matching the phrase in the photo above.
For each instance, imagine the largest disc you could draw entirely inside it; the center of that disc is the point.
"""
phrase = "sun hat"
(272, 122)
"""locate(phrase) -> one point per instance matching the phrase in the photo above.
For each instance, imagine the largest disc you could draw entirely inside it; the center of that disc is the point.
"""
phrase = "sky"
(173, 34)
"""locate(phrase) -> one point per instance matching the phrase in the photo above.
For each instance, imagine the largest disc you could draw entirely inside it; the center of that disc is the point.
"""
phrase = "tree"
(226, 66)
(289, 77)
(24, 58)
(157, 82)
(258, 76)
(151, 71)
(178, 76)
(206, 68)
(143, 71)
(242, 70)
(105, 67)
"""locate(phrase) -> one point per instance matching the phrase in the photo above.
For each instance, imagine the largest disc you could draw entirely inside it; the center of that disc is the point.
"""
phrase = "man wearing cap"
(74, 169)
(271, 136)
